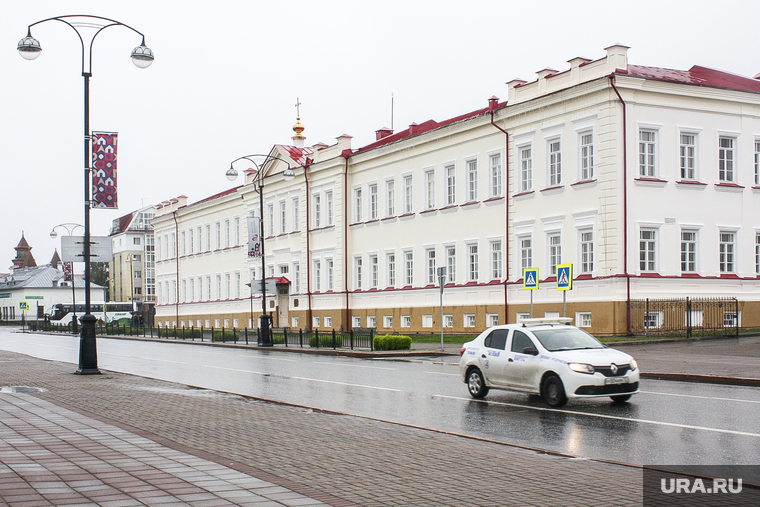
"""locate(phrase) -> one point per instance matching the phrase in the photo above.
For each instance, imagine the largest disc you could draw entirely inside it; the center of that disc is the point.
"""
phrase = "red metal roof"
(298, 155)
(220, 194)
(701, 76)
(427, 126)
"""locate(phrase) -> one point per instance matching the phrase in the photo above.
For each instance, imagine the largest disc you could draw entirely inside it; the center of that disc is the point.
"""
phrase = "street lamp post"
(142, 57)
(70, 227)
(258, 178)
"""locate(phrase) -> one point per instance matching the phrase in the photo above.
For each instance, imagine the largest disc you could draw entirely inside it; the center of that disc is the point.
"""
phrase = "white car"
(550, 358)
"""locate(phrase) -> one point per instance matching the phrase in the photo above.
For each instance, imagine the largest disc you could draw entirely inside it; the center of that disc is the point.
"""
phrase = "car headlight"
(582, 368)
(634, 364)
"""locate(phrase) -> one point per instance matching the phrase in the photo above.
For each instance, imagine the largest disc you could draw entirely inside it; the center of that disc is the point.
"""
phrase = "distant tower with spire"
(24, 257)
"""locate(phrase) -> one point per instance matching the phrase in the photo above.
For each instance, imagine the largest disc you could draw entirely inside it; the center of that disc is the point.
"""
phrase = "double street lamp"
(258, 178)
(142, 57)
(70, 227)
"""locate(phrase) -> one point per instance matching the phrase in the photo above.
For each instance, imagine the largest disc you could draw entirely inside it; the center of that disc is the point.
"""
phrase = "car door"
(493, 356)
(521, 366)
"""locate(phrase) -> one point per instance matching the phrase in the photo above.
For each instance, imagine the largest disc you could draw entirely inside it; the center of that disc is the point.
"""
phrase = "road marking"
(699, 397)
(354, 365)
(347, 384)
(441, 373)
(604, 416)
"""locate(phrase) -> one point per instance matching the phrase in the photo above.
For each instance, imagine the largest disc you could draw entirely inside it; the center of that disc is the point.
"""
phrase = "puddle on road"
(22, 389)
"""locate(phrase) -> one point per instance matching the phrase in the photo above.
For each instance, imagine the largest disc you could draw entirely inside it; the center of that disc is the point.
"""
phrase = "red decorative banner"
(68, 271)
(104, 170)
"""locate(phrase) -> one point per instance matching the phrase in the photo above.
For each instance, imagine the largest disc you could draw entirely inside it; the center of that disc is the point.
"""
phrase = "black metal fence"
(282, 337)
(688, 317)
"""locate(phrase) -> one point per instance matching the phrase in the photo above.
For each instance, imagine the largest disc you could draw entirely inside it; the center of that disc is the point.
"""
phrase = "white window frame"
(329, 208)
(330, 266)
(647, 152)
(356, 321)
(283, 221)
(450, 172)
(357, 204)
(727, 159)
(586, 151)
(388, 321)
(757, 253)
(406, 321)
(586, 247)
(525, 259)
(427, 320)
(688, 159)
(448, 320)
(317, 208)
(429, 189)
(371, 321)
(408, 268)
(430, 266)
(496, 174)
(358, 267)
(727, 251)
(408, 194)
(390, 269)
(374, 271)
(451, 263)
(757, 162)
(270, 220)
(525, 167)
(496, 251)
(468, 320)
(583, 319)
(554, 161)
(473, 261)
(328, 321)
(471, 166)
(553, 251)
(390, 197)
(373, 202)
(492, 319)
(689, 251)
(294, 208)
(648, 247)
(317, 264)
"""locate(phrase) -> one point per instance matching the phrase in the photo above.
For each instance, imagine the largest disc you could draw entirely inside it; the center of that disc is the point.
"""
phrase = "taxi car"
(550, 358)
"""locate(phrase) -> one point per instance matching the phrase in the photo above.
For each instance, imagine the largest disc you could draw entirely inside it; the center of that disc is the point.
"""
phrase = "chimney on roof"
(493, 102)
(617, 57)
(383, 132)
(413, 129)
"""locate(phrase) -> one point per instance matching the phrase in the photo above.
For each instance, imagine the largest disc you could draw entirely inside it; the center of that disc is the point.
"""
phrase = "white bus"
(106, 313)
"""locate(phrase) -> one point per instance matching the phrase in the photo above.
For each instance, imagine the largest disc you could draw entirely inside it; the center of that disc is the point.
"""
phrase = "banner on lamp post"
(104, 148)
(254, 237)
(68, 271)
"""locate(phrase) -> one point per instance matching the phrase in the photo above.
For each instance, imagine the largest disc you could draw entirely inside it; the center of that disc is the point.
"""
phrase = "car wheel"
(476, 384)
(553, 391)
(622, 398)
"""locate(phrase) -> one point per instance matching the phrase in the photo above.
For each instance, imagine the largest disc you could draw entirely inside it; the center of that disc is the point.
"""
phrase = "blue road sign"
(564, 277)
(530, 278)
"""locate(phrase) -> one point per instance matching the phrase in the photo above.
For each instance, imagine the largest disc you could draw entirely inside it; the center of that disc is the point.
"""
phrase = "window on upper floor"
(330, 274)
(373, 204)
(283, 223)
(757, 162)
(451, 184)
(757, 253)
(496, 177)
(408, 195)
(647, 153)
(358, 272)
(526, 252)
(270, 219)
(390, 198)
(391, 269)
(330, 215)
(317, 198)
(430, 189)
(555, 162)
(473, 263)
(587, 155)
(726, 159)
(357, 205)
(317, 275)
(431, 269)
(526, 168)
(374, 272)
(688, 251)
(688, 156)
(295, 212)
(451, 264)
(472, 180)
(408, 269)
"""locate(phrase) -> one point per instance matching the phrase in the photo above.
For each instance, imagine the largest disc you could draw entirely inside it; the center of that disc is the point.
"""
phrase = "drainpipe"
(625, 210)
(345, 155)
(308, 247)
(176, 247)
(492, 105)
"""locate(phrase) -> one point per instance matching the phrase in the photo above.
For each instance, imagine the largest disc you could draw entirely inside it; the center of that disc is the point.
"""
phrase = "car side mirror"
(531, 351)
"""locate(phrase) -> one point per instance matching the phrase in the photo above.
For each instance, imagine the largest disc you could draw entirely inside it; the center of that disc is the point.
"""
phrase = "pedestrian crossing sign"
(530, 278)
(565, 277)
(23, 306)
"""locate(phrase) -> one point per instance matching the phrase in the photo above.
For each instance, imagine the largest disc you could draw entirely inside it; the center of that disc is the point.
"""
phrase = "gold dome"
(298, 127)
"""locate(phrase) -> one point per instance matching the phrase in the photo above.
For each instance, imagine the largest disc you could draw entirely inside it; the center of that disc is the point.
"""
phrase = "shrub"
(392, 342)
(326, 340)
(226, 335)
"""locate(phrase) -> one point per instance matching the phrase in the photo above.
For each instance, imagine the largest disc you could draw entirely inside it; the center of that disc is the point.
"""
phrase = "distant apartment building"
(133, 267)
(646, 180)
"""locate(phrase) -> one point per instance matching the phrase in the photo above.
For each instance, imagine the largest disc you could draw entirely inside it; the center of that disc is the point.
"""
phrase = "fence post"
(245, 330)
(300, 336)
(372, 339)
(646, 318)
(736, 313)
(285, 335)
(688, 318)
(351, 335)
(316, 336)
(334, 342)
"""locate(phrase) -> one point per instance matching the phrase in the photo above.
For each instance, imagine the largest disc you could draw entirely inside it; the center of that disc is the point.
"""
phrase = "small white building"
(133, 269)
(646, 180)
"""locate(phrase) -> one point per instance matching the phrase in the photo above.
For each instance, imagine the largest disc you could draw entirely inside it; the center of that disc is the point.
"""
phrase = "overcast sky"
(227, 74)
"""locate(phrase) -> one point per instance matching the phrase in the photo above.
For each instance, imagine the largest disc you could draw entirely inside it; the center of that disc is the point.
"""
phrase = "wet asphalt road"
(667, 423)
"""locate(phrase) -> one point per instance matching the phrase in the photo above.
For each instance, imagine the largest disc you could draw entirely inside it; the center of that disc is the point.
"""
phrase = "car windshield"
(566, 338)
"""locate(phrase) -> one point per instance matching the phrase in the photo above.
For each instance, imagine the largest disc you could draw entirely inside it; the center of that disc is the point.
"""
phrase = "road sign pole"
(531, 304)
(564, 303)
